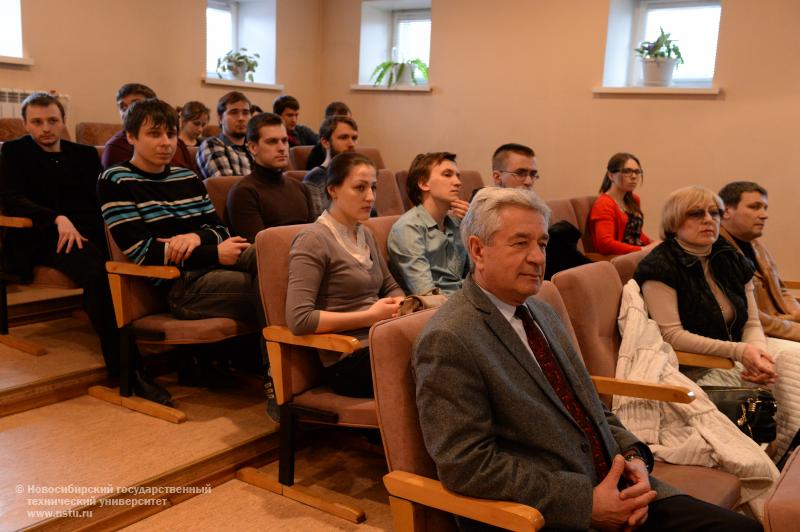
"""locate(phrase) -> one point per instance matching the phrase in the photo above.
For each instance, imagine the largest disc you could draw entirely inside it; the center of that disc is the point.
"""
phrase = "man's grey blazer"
(493, 423)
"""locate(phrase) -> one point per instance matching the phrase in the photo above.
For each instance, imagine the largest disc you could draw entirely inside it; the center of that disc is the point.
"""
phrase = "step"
(93, 445)
(345, 475)
(30, 304)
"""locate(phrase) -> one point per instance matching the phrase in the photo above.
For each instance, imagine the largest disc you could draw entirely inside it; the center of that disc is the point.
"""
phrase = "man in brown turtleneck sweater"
(266, 198)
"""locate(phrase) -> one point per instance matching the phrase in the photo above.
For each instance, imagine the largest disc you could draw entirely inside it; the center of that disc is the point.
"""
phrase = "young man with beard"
(339, 134)
(266, 198)
(227, 153)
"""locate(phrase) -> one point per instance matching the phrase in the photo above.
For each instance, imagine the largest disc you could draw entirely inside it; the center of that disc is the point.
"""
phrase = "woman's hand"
(385, 308)
(759, 366)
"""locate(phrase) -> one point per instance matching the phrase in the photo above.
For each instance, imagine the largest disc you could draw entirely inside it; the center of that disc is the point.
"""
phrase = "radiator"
(11, 100)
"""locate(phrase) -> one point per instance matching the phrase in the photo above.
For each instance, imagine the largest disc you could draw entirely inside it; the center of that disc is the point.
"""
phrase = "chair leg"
(25, 346)
(287, 438)
(125, 369)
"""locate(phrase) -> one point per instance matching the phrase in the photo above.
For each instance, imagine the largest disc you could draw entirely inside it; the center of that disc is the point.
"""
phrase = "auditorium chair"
(388, 201)
(781, 511)
(471, 180)
(298, 156)
(211, 131)
(218, 188)
(591, 295)
(296, 371)
(11, 128)
(417, 499)
(43, 277)
(576, 211)
(95, 133)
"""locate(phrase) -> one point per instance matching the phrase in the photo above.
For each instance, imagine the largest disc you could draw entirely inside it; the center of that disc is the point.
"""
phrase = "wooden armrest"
(15, 221)
(505, 514)
(598, 257)
(332, 342)
(791, 285)
(128, 268)
(703, 361)
(643, 390)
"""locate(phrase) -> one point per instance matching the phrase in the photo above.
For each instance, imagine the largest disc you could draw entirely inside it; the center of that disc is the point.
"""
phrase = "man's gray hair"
(483, 216)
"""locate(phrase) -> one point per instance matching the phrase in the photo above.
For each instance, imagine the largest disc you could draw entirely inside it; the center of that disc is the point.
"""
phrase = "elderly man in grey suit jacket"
(507, 408)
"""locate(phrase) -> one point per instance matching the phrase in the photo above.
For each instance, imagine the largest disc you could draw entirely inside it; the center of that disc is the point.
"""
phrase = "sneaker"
(273, 410)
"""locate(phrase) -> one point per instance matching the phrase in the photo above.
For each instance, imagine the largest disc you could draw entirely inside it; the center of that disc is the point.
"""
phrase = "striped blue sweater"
(139, 207)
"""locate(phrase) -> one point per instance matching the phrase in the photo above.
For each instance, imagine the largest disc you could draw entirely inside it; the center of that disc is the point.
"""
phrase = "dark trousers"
(679, 513)
(352, 375)
(86, 268)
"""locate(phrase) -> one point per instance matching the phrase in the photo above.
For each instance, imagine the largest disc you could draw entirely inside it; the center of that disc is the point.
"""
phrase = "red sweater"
(607, 224)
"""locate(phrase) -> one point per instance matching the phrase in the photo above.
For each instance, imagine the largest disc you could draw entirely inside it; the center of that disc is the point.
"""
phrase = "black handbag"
(750, 409)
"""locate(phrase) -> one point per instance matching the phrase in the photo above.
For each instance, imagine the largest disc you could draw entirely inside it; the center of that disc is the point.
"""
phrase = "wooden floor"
(80, 448)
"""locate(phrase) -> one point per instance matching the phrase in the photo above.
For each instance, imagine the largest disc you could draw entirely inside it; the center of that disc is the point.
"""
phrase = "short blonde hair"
(681, 202)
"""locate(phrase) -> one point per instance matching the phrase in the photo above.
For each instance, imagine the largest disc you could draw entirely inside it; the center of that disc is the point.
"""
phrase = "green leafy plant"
(238, 62)
(394, 70)
(661, 47)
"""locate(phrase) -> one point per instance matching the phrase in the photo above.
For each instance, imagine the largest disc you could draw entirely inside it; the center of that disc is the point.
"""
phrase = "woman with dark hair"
(616, 219)
(699, 290)
(338, 280)
(425, 248)
(194, 118)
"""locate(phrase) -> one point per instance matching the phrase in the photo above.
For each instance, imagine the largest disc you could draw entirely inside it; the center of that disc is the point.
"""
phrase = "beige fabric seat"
(781, 511)
(388, 200)
(626, 264)
(591, 296)
(95, 133)
(576, 211)
(11, 128)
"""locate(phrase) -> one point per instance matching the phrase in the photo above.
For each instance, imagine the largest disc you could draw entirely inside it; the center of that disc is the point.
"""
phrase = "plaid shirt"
(219, 156)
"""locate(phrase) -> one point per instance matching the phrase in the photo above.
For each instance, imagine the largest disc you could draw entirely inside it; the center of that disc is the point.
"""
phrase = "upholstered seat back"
(298, 157)
(626, 264)
(591, 295)
(272, 252)
(380, 228)
(470, 180)
(95, 133)
(218, 188)
(391, 344)
(550, 295)
(388, 201)
(582, 205)
(11, 128)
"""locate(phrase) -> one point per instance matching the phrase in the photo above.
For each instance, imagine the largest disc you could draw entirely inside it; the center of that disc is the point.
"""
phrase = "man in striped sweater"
(160, 214)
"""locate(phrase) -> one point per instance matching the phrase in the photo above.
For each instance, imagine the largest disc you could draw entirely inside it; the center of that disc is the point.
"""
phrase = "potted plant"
(400, 73)
(238, 64)
(659, 59)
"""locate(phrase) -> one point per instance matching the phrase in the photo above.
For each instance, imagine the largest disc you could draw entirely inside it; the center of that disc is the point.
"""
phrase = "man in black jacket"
(52, 181)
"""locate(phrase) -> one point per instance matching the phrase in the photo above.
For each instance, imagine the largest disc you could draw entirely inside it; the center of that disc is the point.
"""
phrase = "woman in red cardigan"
(616, 219)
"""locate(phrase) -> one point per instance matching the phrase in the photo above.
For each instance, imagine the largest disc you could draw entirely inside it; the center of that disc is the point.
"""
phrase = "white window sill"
(242, 84)
(677, 91)
(396, 88)
(8, 60)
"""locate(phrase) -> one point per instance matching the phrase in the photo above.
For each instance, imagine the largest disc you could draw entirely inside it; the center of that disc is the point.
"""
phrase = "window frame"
(232, 6)
(405, 15)
(638, 25)
(21, 58)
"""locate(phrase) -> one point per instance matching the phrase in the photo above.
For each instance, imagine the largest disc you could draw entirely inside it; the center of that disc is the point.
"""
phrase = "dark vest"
(697, 306)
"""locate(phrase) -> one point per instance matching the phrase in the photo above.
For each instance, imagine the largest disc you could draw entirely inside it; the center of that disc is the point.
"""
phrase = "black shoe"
(148, 389)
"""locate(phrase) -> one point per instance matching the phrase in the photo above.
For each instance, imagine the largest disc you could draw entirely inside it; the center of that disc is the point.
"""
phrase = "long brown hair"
(615, 164)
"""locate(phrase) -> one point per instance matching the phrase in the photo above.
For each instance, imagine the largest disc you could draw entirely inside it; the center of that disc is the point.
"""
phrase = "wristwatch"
(633, 454)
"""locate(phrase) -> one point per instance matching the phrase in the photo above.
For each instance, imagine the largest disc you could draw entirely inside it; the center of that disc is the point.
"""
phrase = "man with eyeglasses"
(514, 166)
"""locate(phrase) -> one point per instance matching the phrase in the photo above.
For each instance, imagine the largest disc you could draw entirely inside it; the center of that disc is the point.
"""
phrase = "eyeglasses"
(521, 175)
(700, 214)
(627, 172)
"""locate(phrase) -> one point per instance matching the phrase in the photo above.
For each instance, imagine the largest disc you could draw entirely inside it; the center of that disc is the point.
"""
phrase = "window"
(396, 30)
(693, 24)
(10, 28)
(233, 25)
